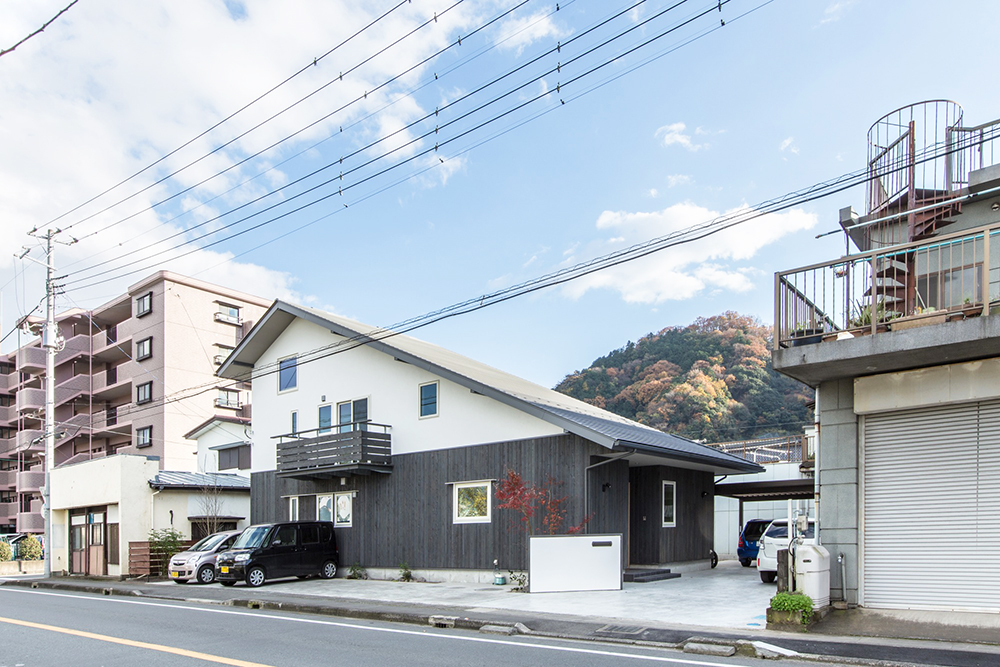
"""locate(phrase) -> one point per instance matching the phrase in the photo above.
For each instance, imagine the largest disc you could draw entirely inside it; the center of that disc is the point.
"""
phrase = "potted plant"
(790, 611)
(806, 333)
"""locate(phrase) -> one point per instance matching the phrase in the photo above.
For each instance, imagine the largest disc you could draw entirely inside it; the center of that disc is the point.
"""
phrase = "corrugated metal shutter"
(932, 508)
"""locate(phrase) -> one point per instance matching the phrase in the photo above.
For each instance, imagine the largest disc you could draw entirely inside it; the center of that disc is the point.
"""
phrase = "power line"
(229, 117)
(416, 156)
(40, 30)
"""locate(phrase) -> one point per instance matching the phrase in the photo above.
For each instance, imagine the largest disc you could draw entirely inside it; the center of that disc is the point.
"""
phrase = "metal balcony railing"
(363, 445)
(946, 277)
(780, 449)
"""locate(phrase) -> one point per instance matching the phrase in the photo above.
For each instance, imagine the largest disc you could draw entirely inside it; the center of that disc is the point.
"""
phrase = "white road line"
(354, 626)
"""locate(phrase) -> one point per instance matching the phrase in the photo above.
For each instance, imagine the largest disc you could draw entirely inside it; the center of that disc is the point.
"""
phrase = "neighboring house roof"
(224, 481)
(212, 421)
(600, 426)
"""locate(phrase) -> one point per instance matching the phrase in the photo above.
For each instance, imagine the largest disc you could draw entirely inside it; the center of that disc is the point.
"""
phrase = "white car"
(773, 539)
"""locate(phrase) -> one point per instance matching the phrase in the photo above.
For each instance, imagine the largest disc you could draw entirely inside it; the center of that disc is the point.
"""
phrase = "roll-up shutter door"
(931, 515)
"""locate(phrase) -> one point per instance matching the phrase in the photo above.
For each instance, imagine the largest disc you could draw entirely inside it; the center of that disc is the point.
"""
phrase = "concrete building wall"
(837, 469)
(392, 389)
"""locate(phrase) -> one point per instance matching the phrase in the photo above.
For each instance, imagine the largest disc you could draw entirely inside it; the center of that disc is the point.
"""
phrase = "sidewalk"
(719, 607)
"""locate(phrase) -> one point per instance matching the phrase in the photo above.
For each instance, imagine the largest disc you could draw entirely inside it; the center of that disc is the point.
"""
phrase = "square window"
(429, 399)
(228, 313)
(144, 304)
(144, 393)
(228, 398)
(287, 374)
(144, 349)
(144, 436)
(235, 458)
(472, 503)
(669, 502)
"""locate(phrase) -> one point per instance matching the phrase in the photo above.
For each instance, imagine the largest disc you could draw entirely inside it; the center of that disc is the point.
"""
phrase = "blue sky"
(708, 121)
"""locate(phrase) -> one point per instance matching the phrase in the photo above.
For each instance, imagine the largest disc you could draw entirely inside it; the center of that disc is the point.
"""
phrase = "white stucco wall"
(727, 510)
(220, 433)
(391, 387)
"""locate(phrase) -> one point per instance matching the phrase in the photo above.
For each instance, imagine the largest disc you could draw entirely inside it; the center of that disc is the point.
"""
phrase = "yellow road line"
(128, 642)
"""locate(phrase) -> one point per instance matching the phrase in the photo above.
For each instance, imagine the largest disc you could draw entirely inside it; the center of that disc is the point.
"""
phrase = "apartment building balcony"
(31, 522)
(72, 388)
(112, 423)
(77, 346)
(113, 384)
(8, 381)
(31, 360)
(114, 344)
(30, 400)
(7, 447)
(338, 451)
(30, 440)
(8, 512)
(30, 481)
(8, 414)
(909, 305)
(8, 480)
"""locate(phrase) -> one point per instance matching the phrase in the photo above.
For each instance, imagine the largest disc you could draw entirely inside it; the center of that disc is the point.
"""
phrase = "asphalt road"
(45, 628)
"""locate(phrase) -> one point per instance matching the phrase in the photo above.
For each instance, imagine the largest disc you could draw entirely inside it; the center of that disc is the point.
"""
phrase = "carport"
(764, 490)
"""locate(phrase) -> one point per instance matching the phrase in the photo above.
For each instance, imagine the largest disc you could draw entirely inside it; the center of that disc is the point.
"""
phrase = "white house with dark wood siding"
(401, 444)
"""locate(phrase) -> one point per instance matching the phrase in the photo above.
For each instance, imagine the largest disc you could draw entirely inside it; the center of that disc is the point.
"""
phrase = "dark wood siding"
(407, 515)
(693, 536)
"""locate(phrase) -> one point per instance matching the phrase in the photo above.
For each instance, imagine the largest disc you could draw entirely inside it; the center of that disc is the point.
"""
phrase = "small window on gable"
(472, 502)
(144, 304)
(287, 374)
(144, 349)
(144, 436)
(144, 393)
(669, 504)
(429, 399)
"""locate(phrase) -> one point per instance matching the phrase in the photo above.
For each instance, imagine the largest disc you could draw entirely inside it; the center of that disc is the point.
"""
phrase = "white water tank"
(812, 573)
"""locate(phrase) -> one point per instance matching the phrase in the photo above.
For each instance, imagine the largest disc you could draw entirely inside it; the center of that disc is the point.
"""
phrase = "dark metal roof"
(653, 441)
(225, 481)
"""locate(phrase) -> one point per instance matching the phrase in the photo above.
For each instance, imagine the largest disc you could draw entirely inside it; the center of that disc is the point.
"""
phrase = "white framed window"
(352, 415)
(223, 352)
(144, 304)
(429, 399)
(343, 510)
(228, 398)
(325, 419)
(228, 313)
(295, 422)
(287, 374)
(324, 507)
(669, 504)
(293, 508)
(144, 393)
(144, 436)
(144, 349)
(472, 502)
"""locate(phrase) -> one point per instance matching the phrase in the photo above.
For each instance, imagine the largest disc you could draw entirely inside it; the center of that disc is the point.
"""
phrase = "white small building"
(101, 505)
(224, 445)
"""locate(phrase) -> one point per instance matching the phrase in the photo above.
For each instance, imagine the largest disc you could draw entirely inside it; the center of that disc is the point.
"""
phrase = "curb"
(742, 647)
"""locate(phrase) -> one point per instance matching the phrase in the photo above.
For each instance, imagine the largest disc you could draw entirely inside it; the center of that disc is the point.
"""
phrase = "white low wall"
(558, 563)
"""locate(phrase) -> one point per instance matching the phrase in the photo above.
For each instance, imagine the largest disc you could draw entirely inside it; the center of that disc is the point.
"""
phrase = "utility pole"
(51, 343)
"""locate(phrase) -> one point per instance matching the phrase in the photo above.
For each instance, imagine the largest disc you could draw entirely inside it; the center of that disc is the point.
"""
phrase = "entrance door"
(78, 544)
(95, 543)
(87, 538)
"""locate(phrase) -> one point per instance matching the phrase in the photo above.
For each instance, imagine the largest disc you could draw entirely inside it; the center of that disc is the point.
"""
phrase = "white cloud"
(688, 270)
(520, 33)
(836, 11)
(654, 193)
(789, 145)
(674, 134)
(673, 180)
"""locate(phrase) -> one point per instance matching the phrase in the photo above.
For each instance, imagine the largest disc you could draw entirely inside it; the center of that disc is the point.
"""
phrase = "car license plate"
(224, 569)
(175, 574)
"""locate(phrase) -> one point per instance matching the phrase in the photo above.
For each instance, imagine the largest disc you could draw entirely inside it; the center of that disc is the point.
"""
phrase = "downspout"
(586, 482)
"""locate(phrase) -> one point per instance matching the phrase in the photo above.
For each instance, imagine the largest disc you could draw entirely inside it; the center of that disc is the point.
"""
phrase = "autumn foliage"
(537, 505)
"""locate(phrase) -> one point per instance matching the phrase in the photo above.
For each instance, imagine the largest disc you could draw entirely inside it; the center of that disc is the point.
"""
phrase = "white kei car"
(773, 539)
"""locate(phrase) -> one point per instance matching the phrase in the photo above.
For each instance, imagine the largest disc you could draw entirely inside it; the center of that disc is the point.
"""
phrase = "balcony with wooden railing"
(335, 451)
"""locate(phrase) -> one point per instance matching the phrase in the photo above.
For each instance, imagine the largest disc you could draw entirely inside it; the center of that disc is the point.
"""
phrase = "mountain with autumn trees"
(710, 381)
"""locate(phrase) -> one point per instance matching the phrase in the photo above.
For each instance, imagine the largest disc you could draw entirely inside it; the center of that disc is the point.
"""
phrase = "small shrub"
(520, 581)
(6, 553)
(30, 548)
(405, 573)
(356, 571)
(794, 602)
(164, 543)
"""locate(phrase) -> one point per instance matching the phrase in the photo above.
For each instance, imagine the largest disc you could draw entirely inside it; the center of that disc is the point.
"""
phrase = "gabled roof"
(212, 422)
(223, 481)
(574, 416)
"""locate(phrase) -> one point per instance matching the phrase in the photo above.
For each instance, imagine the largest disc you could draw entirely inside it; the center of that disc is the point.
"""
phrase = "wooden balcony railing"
(335, 450)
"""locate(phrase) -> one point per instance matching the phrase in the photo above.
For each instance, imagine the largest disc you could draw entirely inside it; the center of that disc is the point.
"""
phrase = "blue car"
(746, 549)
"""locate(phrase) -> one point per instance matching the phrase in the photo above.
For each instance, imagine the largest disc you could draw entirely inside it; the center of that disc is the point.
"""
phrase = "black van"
(275, 550)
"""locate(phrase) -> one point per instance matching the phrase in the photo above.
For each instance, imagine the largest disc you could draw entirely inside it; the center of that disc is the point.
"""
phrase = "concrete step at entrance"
(644, 576)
